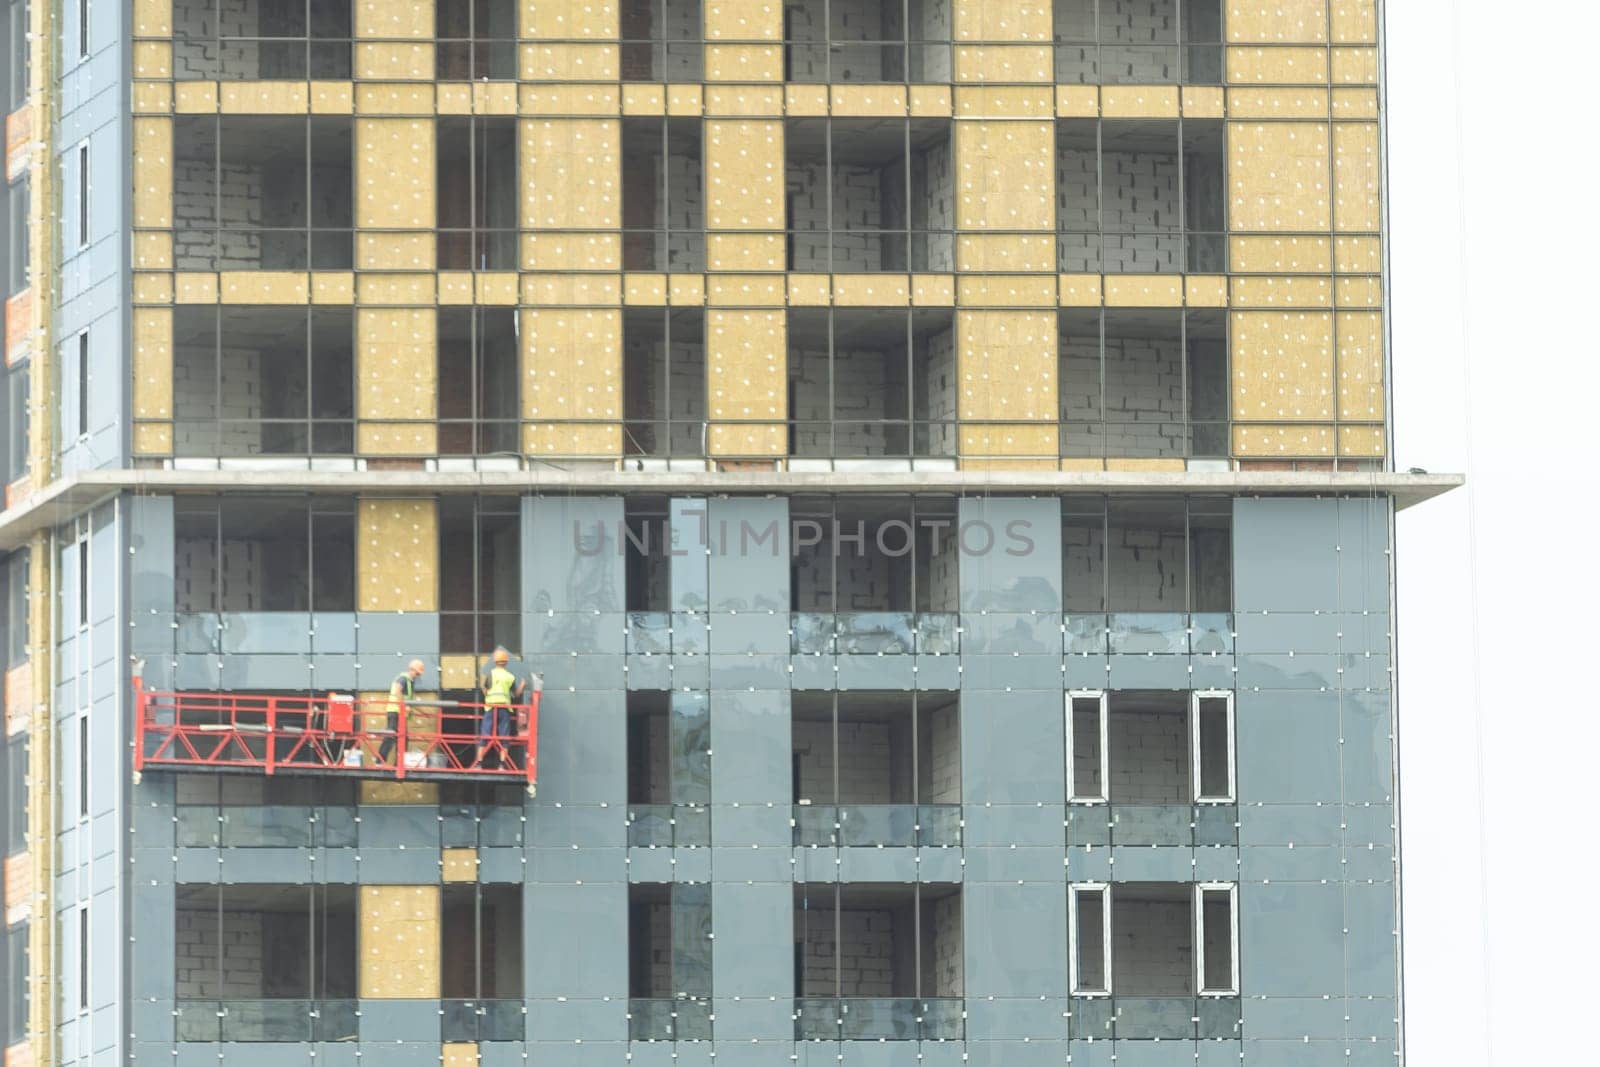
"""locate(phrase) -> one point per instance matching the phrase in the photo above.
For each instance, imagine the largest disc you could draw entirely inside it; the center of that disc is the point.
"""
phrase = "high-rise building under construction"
(927, 462)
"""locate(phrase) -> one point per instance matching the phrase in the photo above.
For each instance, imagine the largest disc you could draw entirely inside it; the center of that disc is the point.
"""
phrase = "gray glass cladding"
(699, 662)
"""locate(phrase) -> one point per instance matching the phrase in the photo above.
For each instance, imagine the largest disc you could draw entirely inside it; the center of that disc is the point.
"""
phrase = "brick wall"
(864, 768)
(1136, 37)
(227, 578)
(876, 944)
(195, 402)
(868, 385)
(241, 944)
(1131, 190)
(1152, 947)
(650, 372)
(942, 755)
(1143, 400)
(1147, 569)
(948, 951)
(206, 59)
(1149, 756)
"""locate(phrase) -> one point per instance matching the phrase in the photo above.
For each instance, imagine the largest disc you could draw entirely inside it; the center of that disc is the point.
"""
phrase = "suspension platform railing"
(339, 734)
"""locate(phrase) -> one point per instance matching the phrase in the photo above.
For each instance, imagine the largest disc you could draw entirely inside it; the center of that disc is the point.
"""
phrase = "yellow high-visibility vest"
(501, 684)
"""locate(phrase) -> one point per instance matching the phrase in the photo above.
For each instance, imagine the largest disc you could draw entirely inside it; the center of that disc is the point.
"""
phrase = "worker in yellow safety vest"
(501, 689)
(402, 690)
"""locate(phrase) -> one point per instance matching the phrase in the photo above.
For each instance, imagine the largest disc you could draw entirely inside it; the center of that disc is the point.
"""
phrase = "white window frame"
(1231, 796)
(83, 29)
(1073, 891)
(85, 800)
(84, 583)
(1200, 891)
(1074, 695)
(84, 957)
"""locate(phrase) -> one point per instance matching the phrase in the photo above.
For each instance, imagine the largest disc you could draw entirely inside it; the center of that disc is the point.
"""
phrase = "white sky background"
(1495, 240)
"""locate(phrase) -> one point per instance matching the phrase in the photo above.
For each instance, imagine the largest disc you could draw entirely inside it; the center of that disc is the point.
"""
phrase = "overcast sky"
(1494, 201)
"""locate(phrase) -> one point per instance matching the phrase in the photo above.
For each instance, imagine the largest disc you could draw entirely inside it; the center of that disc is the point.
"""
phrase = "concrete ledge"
(66, 498)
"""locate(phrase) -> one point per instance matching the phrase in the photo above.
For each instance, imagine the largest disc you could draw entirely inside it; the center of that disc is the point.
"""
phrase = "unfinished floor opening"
(245, 554)
(869, 194)
(880, 961)
(880, 560)
(663, 195)
(1140, 42)
(254, 192)
(847, 41)
(668, 768)
(1139, 196)
(664, 384)
(477, 205)
(669, 961)
(479, 378)
(262, 381)
(876, 768)
(276, 40)
(265, 962)
(1143, 748)
(662, 40)
(874, 384)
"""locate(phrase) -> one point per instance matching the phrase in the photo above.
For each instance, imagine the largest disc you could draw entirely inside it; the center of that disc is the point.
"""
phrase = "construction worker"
(501, 689)
(402, 690)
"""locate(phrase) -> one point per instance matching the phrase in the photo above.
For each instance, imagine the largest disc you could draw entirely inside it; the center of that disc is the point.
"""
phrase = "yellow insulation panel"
(1277, 66)
(1359, 346)
(1277, 21)
(745, 251)
(1003, 20)
(1005, 174)
(397, 554)
(744, 166)
(568, 20)
(1282, 366)
(394, 19)
(458, 865)
(397, 387)
(152, 172)
(1266, 291)
(1353, 21)
(1278, 176)
(400, 792)
(152, 18)
(1356, 176)
(565, 62)
(1003, 63)
(1139, 102)
(1006, 365)
(400, 942)
(743, 20)
(1354, 66)
(460, 1054)
(572, 370)
(571, 174)
(152, 363)
(1003, 252)
(747, 380)
(1287, 442)
(394, 173)
(744, 63)
(1279, 255)
(1361, 441)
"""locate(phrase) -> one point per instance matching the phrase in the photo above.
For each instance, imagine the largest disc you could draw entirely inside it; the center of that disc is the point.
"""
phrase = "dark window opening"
(258, 192)
(479, 367)
(661, 40)
(477, 39)
(663, 195)
(476, 166)
(664, 383)
(480, 575)
(870, 194)
(263, 381)
(669, 961)
(265, 553)
(1147, 554)
(262, 40)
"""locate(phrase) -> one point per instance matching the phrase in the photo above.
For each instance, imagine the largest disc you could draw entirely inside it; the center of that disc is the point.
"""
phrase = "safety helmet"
(502, 656)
